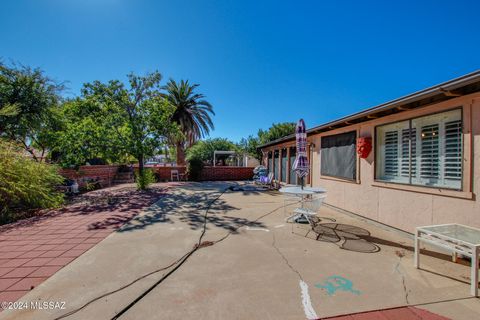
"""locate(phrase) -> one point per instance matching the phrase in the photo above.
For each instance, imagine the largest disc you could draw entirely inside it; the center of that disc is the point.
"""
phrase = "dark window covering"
(275, 164)
(284, 165)
(339, 156)
(293, 175)
(270, 162)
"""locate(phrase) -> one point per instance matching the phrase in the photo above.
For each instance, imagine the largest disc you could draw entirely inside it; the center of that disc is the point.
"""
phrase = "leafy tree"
(203, 150)
(28, 103)
(276, 131)
(85, 136)
(136, 114)
(249, 145)
(192, 114)
(9, 110)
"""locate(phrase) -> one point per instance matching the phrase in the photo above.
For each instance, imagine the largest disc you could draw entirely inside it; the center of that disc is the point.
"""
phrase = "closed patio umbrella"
(300, 165)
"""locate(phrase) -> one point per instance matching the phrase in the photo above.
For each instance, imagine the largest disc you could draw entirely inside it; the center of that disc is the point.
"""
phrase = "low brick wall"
(226, 173)
(105, 173)
(209, 173)
(164, 173)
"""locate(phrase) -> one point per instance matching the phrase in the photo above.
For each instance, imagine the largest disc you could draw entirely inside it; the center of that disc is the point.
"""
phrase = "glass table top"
(299, 190)
(456, 231)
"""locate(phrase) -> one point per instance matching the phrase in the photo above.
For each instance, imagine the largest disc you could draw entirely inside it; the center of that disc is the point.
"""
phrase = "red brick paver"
(34, 249)
(404, 313)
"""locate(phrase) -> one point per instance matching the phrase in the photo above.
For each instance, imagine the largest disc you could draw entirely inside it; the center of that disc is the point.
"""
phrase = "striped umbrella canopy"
(300, 165)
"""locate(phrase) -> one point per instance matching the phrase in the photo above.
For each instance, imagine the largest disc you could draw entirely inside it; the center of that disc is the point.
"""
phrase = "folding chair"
(308, 210)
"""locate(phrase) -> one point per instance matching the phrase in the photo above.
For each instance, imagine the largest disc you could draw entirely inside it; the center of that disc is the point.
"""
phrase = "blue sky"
(258, 62)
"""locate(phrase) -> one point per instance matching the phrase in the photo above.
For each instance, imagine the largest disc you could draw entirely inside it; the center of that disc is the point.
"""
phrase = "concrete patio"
(250, 264)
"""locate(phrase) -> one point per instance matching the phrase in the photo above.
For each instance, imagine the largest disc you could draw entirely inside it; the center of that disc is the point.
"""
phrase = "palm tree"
(192, 114)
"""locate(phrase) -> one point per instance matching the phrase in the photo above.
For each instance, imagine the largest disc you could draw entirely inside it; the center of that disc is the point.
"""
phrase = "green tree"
(192, 114)
(29, 101)
(201, 153)
(9, 110)
(203, 150)
(137, 114)
(249, 145)
(276, 131)
(85, 136)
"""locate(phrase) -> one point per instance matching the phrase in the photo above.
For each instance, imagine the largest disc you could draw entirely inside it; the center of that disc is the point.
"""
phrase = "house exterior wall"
(405, 206)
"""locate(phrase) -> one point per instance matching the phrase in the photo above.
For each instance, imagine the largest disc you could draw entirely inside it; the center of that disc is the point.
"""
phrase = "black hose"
(177, 263)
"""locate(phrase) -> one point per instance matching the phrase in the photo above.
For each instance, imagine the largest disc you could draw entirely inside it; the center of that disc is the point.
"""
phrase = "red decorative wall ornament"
(364, 146)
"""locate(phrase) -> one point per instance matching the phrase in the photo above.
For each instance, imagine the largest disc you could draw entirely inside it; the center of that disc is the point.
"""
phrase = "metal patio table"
(456, 238)
(303, 194)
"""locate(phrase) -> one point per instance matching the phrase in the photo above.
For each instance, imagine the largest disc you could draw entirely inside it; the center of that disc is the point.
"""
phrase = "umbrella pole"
(302, 182)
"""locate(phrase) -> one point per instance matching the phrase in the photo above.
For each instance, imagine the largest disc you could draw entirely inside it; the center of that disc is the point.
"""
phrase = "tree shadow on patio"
(190, 209)
(113, 208)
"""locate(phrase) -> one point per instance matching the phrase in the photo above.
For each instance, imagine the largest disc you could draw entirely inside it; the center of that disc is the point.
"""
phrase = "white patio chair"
(309, 207)
(174, 175)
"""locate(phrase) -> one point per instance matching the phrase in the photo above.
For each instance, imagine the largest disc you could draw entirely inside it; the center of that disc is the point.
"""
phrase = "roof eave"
(443, 89)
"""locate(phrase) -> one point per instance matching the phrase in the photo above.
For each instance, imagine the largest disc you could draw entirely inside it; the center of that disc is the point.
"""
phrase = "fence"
(209, 173)
(104, 173)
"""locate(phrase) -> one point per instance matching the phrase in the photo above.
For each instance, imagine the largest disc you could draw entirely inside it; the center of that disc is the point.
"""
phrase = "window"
(339, 156)
(424, 151)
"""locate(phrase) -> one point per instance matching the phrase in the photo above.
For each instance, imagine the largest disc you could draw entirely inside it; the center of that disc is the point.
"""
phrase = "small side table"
(453, 237)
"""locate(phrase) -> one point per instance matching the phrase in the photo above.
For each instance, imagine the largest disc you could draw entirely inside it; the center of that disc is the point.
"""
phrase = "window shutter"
(391, 154)
(429, 162)
(453, 150)
(407, 150)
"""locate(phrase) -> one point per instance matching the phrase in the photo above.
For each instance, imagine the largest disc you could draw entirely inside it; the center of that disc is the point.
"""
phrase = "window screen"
(293, 175)
(270, 162)
(284, 165)
(275, 164)
(339, 156)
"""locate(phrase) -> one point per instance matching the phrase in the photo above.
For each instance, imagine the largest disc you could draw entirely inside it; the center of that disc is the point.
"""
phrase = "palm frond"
(192, 112)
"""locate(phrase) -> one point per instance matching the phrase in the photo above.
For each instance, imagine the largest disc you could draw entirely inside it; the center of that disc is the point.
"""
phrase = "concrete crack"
(305, 296)
(397, 269)
(284, 258)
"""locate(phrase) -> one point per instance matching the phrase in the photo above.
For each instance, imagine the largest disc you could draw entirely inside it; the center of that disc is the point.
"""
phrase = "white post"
(474, 275)
(214, 158)
(417, 250)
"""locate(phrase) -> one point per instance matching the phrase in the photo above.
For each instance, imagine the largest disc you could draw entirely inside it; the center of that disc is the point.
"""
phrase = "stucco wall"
(407, 209)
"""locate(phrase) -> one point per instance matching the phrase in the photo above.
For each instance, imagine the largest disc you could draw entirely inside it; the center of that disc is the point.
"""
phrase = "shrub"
(194, 169)
(25, 184)
(145, 179)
